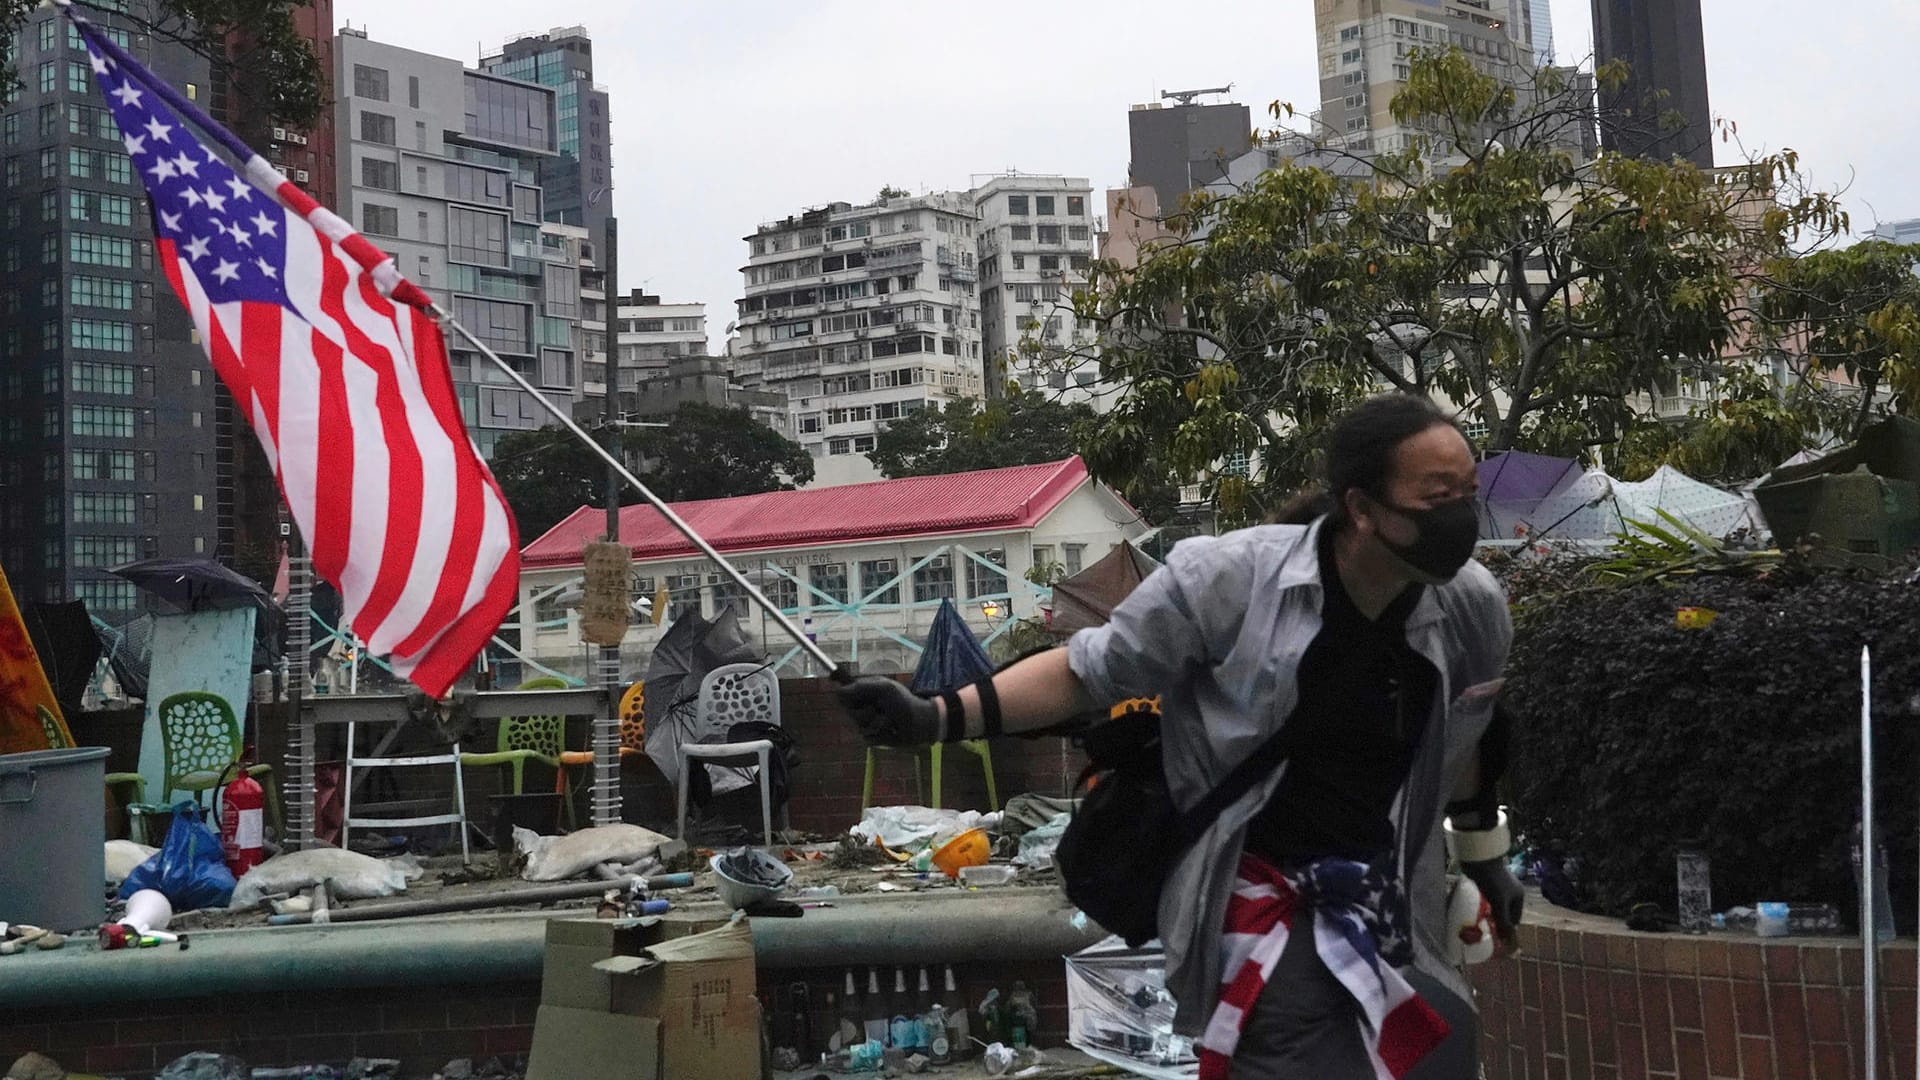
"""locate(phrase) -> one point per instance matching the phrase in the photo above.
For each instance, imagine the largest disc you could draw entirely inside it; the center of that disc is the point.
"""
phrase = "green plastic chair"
(978, 747)
(532, 738)
(133, 782)
(200, 743)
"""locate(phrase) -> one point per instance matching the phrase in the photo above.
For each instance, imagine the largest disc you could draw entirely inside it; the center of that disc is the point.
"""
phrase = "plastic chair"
(978, 747)
(57, 740)
(729, 695)
(533, 738)
(200, 742)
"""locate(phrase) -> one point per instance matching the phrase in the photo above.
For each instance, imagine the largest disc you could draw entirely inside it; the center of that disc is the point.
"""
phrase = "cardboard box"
(683, 1009)
(567, 977)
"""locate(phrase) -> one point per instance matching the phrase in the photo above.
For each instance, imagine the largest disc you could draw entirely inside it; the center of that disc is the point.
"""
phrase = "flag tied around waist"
(339, 365)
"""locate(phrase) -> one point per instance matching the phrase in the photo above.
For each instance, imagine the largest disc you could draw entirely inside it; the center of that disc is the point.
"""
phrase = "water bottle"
(1882, 900)
(1694, 880)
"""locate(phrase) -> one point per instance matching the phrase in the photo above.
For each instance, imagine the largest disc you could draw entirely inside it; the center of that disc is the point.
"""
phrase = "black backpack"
(1127, 836)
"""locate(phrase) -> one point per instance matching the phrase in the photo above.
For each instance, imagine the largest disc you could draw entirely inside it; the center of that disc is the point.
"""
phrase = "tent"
(952, 657)
(1862, 500)
(1513, 483)
(1598, 507)
(1088, 597)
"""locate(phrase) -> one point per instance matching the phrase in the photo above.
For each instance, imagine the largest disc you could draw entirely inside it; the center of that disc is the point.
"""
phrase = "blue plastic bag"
(190, 869)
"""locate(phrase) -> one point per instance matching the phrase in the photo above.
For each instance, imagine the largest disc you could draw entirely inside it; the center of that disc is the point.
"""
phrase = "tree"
(1855, 312)
(256, 44)
(546, 475)
(1024, 428)
(888, 191)
(705, 452)
(715, 452)
(1486, 263)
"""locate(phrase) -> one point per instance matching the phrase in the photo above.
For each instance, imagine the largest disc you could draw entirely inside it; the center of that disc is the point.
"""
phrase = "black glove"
(1502, 891)
(889, 714)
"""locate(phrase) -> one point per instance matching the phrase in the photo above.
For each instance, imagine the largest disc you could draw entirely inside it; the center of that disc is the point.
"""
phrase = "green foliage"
(1853, 311)
(272, 70)
(1750, 427)
(888, 191)
(706, 452)
(714, 452)
(1024, 428)
(1487, 263)
(546, 475)
(1674, 549)
(1634, 735)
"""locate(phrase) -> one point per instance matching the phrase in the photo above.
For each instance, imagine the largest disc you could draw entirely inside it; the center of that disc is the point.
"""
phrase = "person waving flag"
(339, 364)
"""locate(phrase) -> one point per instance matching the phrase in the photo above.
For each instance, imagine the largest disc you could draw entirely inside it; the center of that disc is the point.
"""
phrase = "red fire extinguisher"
(242, 825)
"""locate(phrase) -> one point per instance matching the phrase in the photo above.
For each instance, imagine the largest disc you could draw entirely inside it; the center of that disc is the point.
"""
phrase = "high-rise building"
(1366, 49)
(652, 334)
(1898, 232)
(1540, 30)
(579, 181)
(461, 210)
(861, 315)
(1035, 240)
(1177, 148)
(247, 499)
(106, 398)
(1662, 111)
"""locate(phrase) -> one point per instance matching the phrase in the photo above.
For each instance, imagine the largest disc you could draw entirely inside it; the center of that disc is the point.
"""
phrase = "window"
(526, 203)
(810, 424)
(104, 551)
(79, 77)
(380, 174)
(864, 444)
(103, 421)
(413, 91)
(103, 465)
(371, 82)
(88, 291)
(1049, 234)
(50, 206)
(500, 324)
(727, 594)
(1079, 233)
(1072, 557)
(10, 129)
(96, 378)
(1042, 556)
(1022, 232)
(1017, 205)
(419, 134)
(875, 573)
(102, 334)
(984, 581)
(49, 35)
(1049, 263)
(49, 77)
(829, 579)
(380, 220)
(50, 163)
(1019, 262)
(49, 119)
(106, 595)
(1043, 205)
(934, 581)
(1351, 56)
(838, 447)
(476, 236)
(103, 208)
(1348, 33)
(1076, 206)
(1082, 263)
(376, 128)
(104, 508)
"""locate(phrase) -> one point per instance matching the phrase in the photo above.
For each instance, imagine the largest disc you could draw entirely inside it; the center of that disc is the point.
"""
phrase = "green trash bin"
(53, 864)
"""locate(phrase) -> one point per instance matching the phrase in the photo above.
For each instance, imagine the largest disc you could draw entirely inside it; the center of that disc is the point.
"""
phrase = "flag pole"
(807, 645)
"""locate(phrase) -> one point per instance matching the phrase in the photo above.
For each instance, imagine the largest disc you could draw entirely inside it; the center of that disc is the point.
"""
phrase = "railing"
(1679, 405)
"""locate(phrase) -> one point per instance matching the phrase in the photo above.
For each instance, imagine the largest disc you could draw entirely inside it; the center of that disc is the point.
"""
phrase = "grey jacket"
(1218, 632)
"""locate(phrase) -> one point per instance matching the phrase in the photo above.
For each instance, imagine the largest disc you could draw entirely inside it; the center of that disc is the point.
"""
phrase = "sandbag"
(557, 858)
(349, 876)
(124, 856)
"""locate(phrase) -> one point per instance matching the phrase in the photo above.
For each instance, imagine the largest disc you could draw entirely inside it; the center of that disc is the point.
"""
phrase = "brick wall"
(423, 1026)
(1590, 999)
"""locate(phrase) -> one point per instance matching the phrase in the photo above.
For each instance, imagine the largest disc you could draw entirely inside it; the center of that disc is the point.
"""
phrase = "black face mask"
(1448, 533)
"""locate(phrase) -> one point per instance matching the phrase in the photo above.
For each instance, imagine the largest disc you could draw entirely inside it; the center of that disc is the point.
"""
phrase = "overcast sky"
(728, 113)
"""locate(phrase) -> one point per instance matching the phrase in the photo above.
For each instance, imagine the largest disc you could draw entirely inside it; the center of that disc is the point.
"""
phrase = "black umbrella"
(196, 584)
(689, 649)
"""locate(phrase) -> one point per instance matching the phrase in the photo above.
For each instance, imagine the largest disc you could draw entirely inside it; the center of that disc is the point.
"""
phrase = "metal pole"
(834, 670)
(1869, 933)
(302, 751)
(606, 728)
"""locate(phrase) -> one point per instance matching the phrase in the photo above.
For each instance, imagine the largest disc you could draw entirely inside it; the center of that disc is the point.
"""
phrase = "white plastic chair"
(729, 695)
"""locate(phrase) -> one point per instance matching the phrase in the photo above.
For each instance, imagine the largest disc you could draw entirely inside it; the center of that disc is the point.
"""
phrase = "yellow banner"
(24, 691)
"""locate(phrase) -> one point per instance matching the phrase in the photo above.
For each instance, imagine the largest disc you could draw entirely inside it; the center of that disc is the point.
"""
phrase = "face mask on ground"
(1447, 534)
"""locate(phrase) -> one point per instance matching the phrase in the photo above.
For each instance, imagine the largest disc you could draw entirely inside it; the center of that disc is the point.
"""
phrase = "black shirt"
(1364, 699)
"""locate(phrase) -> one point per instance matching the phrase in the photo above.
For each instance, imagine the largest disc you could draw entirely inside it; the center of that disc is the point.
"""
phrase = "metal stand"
(1869, 933)
(302, 748)
(458, 818)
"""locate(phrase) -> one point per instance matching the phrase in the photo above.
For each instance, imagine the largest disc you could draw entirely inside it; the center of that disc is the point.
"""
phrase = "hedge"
(1634, 735)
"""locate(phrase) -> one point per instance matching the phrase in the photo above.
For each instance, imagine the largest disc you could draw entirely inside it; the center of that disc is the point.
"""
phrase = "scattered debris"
(855, 855)
(557, 858)
(353, 876)
(36, 1067)
(369, 1068)
(204, 1065)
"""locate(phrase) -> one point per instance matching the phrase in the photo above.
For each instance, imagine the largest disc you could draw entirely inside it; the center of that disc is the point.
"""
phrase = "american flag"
(340, 366)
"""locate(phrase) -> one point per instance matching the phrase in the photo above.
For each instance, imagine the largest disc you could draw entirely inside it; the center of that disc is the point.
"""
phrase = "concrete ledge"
(999, 925)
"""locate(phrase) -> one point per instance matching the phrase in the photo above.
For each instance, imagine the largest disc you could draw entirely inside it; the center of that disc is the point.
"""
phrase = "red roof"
(990, 499)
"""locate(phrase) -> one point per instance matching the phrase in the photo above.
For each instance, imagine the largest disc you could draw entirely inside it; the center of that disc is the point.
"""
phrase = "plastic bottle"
(851, 1030)
(902, 1025)
(959, 1028)
(1022, 1018)
(1882, 900)
(922, 1005)
(939, 1039)
(991, 1026)
(875, 1009)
